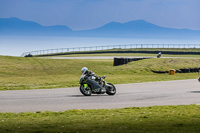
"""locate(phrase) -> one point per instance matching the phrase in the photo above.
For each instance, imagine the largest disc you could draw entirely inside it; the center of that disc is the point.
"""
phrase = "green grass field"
(35, 73)
(127, 55)
(156, 119)
(104, 52)
(160, 49)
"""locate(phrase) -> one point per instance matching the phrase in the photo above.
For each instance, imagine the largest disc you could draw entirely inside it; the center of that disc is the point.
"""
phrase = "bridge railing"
(95, 48)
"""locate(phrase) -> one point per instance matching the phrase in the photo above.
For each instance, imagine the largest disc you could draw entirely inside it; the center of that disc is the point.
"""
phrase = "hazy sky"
(88, 14)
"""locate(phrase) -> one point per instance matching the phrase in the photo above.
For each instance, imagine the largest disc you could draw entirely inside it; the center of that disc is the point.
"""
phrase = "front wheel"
(110, 89)
(85, 91)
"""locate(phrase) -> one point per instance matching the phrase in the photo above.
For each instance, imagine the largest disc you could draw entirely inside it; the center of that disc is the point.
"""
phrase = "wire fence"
(108, 47)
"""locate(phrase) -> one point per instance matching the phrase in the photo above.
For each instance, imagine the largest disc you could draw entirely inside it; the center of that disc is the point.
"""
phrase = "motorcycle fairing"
(94, 84)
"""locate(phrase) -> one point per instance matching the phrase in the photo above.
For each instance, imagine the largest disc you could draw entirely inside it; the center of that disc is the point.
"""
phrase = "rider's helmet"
(84, 70)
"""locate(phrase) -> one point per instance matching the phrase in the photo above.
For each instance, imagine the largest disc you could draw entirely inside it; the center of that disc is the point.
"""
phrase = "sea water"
(16, 45)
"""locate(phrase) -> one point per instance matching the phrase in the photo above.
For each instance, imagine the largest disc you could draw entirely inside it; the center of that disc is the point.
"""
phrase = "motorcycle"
(159, 55)
(95, 85)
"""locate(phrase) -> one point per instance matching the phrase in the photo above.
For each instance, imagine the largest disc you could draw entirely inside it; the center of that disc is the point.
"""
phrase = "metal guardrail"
(95, 48)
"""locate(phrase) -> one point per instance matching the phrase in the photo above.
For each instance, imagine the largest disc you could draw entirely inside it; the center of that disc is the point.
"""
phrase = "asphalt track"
(110, 57)
(180, 92)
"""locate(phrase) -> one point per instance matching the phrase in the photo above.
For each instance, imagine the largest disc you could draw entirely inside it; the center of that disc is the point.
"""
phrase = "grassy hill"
(36, 73)
(166, 52)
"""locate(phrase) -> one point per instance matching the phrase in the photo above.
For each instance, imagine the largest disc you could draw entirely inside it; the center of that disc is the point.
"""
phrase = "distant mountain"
(15, 26)
(137, 28)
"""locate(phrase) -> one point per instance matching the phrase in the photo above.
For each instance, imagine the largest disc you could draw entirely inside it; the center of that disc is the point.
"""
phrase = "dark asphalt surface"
(180, 92)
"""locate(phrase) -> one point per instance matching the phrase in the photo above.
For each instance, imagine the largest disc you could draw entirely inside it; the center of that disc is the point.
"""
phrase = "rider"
(88, 73)
(159, 55)
(85, 71)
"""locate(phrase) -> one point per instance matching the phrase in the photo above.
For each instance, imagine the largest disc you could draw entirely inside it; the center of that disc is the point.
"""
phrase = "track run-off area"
(178, 92)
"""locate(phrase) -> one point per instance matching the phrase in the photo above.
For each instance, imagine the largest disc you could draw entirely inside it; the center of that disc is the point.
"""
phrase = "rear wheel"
(110, 89)
(86, 91)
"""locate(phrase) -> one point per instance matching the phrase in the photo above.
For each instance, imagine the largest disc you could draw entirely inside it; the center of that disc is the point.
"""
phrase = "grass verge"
(34, 73)
(128, 55)
(156, 119)
(127, 52)
(105, 52)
